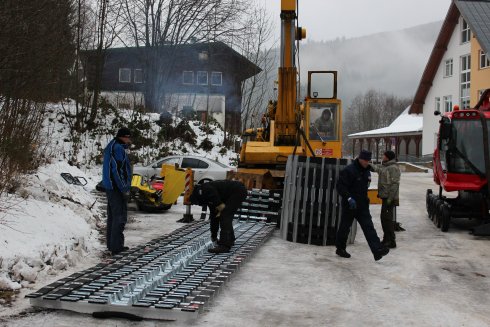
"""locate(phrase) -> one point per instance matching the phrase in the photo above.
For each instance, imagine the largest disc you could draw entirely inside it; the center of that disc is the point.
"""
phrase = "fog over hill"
(390, 62)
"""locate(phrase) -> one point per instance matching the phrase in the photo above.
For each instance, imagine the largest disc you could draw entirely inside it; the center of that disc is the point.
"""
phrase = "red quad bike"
(462, 164)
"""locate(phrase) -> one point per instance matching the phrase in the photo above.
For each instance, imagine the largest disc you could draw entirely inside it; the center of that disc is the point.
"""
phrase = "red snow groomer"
(462, 164)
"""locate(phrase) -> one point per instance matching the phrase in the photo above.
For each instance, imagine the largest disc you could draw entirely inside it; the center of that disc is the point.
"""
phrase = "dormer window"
(465, 32)
(202, 78)
(216, 78)
(484, 60)
(138, 76)
(124, 75)
(188, 77)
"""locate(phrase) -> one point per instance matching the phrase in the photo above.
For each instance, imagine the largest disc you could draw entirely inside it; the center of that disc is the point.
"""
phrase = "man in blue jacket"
(353, 186)
(116, 178)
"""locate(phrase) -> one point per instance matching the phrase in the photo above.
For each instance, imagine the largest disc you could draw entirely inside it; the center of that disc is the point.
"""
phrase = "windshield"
(323, 121)
(466, 150)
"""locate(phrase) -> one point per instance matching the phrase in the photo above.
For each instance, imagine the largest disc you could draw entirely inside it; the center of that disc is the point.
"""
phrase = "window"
(124, 75)
(202, 78)
(194, 163)
(167, 161)
(438, 104)
(448, 68)
(216, 78)
(465, 32)
(484, 60)
(465, 81)
(138, 75)
(188, 77)
(448, 103)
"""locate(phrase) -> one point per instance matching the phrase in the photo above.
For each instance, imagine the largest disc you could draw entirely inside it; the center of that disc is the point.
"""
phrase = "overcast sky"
(329, 19)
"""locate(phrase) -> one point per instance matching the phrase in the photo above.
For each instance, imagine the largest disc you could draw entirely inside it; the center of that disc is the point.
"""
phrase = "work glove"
(352, 203)
(219, 209)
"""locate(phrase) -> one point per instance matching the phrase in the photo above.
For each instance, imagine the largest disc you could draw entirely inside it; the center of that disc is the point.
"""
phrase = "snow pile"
(49, 225)
(148, 145)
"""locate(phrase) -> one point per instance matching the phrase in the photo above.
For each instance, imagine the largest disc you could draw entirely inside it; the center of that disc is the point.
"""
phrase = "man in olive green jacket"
(388, 188)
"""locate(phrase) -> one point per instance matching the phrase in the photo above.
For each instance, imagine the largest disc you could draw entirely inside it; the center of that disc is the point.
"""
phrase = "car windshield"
(467, 156)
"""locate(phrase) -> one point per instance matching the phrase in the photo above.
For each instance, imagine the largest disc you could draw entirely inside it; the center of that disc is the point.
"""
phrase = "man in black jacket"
(223, 199)
(353, 186)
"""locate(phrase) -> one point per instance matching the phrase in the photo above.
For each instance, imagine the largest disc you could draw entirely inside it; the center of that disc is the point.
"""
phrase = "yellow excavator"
(312, 128)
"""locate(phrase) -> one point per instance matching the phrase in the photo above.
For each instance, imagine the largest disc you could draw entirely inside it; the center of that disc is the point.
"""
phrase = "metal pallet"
(169, 278)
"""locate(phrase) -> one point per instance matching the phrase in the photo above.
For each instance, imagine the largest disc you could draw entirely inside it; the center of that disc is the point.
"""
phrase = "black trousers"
(388, 222)
(363, 217)
(224, 223)
(117, 217)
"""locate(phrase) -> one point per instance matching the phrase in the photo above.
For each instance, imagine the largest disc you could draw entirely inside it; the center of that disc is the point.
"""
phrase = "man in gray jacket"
(388, 189)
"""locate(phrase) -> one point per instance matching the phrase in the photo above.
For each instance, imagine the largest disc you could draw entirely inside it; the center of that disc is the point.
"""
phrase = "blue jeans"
(117, 216)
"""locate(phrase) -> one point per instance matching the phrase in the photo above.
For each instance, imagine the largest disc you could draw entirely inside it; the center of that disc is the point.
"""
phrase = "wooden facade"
(191, 69)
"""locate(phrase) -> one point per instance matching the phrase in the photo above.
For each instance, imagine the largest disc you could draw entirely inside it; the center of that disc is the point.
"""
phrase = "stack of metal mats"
(311, 208)
(171, 277)
(261, 205)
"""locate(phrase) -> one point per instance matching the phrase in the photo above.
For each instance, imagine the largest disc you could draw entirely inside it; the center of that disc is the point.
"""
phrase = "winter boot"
(342, 253)
(220, 248)
(381, 253)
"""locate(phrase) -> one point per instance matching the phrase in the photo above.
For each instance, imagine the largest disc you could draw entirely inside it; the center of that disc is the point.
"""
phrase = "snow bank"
(47, 227)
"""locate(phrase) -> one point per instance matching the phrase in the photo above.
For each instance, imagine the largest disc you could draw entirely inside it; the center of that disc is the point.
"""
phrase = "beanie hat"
(365, 155)
(123, 131)
(390, 155)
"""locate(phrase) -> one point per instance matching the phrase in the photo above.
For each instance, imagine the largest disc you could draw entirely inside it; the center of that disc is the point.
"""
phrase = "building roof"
(475, 13)
(217, 51)
(405, 124)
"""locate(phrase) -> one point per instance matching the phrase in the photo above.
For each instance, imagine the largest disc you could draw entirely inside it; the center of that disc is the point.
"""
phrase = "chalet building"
(458, 70)
(202, 77)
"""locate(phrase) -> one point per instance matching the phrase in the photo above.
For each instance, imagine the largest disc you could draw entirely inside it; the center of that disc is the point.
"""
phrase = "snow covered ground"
(48, 224)
(431, 279)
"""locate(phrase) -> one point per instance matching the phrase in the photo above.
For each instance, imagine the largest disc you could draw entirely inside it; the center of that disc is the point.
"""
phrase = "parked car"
(205, 169)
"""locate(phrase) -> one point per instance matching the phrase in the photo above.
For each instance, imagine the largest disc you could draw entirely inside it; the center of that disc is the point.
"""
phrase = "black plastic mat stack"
(261, 205)
(171, 277)
(311, 207)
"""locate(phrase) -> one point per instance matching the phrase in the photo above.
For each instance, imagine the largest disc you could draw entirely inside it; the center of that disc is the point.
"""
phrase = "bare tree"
(255, 44)
(372, 110)
(159, 26)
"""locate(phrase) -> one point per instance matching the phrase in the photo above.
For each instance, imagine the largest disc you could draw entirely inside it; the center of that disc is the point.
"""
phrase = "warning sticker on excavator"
(324, 152)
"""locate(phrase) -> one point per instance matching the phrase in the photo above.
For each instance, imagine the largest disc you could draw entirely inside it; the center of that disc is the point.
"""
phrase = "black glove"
(126, 196)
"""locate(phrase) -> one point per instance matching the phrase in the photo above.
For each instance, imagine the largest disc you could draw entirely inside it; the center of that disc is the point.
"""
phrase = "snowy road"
(431, 279)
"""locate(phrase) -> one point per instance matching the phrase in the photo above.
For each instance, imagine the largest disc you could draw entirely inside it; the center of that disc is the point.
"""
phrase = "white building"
(450, 77)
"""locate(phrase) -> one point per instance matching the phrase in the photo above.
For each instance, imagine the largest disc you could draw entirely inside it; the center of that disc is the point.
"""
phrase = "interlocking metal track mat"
(170, 278)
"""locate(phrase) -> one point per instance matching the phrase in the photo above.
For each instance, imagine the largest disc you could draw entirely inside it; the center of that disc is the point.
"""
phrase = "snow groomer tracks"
(171, 278)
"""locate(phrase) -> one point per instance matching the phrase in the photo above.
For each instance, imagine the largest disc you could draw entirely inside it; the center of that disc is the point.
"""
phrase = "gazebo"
(403, 136)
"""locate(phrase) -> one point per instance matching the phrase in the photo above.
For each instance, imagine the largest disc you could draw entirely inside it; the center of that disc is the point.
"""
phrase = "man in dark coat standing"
(353, 186)
(223, 199)
(388, 190)
(116, 179)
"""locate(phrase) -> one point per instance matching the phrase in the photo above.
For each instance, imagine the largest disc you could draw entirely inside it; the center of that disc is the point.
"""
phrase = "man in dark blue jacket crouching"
(223, 199)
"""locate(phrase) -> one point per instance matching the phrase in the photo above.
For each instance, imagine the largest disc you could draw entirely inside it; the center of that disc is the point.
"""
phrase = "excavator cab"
(323, 115)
